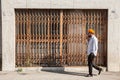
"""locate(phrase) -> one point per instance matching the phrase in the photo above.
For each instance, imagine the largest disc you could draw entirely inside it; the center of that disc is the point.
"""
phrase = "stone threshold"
(58, 69)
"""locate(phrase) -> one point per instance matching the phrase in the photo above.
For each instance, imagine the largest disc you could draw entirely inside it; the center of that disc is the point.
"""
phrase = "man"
(92, 52)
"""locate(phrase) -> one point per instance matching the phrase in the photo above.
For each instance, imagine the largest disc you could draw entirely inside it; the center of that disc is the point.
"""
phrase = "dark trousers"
(91, 64)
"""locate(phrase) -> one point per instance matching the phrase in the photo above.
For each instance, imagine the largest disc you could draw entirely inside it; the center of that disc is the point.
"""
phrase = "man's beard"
(89, 36)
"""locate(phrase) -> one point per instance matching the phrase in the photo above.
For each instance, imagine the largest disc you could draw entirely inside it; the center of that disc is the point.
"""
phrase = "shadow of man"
(60, 70)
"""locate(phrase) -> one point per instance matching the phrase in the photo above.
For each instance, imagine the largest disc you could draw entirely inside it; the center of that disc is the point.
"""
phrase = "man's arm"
(94, 46)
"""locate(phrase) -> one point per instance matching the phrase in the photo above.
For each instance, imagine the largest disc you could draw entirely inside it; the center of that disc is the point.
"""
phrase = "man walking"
(92, 52)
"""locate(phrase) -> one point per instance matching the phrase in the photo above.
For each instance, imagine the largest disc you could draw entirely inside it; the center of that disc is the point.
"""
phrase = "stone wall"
(8, 25)
(0, 38)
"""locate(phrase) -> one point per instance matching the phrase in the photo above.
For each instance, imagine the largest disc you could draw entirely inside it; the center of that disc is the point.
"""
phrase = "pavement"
(58, 75)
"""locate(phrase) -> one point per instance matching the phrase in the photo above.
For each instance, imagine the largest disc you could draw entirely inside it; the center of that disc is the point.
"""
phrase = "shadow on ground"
(61, 71)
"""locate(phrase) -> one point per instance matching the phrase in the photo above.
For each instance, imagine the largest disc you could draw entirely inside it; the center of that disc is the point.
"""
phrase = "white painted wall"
(8, 25)
(0, 38)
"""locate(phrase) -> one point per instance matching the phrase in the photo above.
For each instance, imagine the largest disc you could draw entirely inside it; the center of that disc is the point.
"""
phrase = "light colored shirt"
(92, 45)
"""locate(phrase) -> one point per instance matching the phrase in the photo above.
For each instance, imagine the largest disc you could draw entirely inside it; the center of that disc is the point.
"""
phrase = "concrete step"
(57, 69)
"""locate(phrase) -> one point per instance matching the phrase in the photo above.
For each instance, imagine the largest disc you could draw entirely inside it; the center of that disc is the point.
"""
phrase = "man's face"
(89, 35)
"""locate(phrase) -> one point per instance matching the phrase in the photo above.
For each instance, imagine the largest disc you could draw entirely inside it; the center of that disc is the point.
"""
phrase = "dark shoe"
(89, 75)
(100, 71)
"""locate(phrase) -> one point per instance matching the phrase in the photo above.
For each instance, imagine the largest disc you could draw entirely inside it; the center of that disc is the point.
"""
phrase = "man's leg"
(97, 68)
(90, 60)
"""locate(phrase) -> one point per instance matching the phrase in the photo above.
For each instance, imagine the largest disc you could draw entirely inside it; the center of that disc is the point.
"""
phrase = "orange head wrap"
(91, 31)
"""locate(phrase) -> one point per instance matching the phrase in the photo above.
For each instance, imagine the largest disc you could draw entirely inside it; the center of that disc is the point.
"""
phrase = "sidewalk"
(65, 75)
